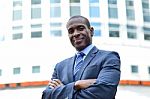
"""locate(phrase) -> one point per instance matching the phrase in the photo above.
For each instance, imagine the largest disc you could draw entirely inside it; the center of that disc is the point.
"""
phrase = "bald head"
(82, 18)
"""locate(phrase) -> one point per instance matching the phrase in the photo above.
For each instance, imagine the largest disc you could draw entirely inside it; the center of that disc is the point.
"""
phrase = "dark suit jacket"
(98, 64)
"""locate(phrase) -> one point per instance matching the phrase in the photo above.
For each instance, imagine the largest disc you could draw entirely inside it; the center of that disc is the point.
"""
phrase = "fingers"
(55, 83)
(58, 81)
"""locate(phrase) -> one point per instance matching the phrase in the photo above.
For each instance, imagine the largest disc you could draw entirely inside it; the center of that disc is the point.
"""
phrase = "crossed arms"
(103, 87)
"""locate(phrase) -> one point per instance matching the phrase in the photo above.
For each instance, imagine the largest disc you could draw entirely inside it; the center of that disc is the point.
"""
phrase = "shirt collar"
(87, 50)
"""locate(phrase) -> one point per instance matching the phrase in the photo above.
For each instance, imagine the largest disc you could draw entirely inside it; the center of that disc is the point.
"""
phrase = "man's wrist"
(76, 85)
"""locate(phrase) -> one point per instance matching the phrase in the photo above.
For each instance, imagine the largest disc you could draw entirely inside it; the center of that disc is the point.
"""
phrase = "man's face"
(79, 34)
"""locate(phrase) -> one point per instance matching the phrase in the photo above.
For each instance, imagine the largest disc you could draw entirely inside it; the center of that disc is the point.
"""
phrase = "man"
(98, 74)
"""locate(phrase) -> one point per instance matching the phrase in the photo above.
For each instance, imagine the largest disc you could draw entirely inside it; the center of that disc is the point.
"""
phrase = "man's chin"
(79, 47)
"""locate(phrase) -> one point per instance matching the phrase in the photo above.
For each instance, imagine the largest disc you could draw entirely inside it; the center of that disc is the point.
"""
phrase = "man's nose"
(76, 33)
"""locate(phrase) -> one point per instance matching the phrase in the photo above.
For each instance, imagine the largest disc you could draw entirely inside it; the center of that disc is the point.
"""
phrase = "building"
(31, 31)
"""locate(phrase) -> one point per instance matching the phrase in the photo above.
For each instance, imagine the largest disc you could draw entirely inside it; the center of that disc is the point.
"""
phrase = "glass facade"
(131, 32)
(35, 69)
(146, 33)
(17, 36)
(17, 3)
(113, 12)
(16, 70)
(146, 10)
(93, 10)
(130, 10)
(35, 13)
(54, 1)
(0, 72)
(149, 70)
(17, 15)
(53, 10)
(74, 10)
(74, 1)
(114, 30)
(112, 1)
(36, 34)
(97, 28)
(35, 1)
(134, 69)
(93, 1)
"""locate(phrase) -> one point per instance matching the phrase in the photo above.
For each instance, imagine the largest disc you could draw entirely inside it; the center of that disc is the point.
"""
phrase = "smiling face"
(80, 33)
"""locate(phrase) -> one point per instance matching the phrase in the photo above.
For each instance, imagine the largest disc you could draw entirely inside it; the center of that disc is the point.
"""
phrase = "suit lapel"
(70, 69)
(87, 60)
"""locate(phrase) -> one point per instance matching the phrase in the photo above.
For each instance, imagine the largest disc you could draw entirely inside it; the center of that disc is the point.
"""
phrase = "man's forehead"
(76, 22)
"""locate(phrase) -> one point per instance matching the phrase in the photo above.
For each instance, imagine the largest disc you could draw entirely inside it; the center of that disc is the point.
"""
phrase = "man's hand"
(81, 84)
(55, 83)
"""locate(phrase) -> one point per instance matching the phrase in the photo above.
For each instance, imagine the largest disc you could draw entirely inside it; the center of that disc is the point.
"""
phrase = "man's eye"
(70, 31)
(80, 28)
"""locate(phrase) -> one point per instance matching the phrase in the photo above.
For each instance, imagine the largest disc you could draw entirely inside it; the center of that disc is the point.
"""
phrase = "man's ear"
(92, 31)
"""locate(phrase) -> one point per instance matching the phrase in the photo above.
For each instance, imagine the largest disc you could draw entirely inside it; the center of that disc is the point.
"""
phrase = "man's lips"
(78, 40)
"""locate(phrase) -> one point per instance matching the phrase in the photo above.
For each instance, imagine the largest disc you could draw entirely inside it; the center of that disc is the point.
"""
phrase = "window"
(94, 11)
(130, 14)
(35, 69)
(134, 69)
(131, 32)
(114, 30)
(0, 72)
(17, 27)
(16, 70)
(97, 26)
(17, 15)
(113, 33)
(36, 34)
(113, 12)
(146, 16)
(74, 1)
(131, 35)
(112, 1)
(74, 10)
(145, 5)
(146, 33)
(129, 3)
(56, 33)
(2, 38)
(17, 3)
(149, 70)
(55, 29)
(146, 10)
(130, 10)
(53, 10)
(54, 1)
(35, 1)
(35, 13)
(17, 36)
(55, 24)
(93, 1)
(17, 32)
(36, 26)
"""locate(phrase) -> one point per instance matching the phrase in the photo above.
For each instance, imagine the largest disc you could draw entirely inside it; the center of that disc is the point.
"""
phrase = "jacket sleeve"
(107, 80)
(61, 92)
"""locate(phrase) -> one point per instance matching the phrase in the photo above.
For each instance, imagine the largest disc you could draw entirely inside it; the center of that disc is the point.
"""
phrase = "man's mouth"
(78, 41)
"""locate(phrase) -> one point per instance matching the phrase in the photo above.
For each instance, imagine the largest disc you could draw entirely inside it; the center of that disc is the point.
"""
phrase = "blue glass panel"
(93, 1)
(53, 11)
(94, 11)
(95, 24)
(113, 12)
(54, 1)
(97, 32)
